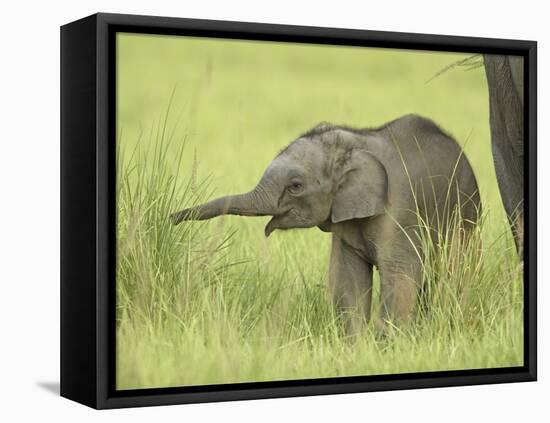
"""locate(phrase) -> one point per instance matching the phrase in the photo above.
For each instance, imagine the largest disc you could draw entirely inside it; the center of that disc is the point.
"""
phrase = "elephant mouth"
(271, 226)
(275, 223)
(292, 218)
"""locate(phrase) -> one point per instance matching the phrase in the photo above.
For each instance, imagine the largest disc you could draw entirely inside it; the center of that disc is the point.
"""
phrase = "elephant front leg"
(351, 285)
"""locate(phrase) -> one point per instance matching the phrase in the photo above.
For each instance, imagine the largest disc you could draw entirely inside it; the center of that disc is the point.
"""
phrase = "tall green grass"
(198, 305)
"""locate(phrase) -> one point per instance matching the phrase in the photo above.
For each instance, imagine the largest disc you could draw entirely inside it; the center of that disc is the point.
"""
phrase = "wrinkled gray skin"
(505, 81)
(359, 185)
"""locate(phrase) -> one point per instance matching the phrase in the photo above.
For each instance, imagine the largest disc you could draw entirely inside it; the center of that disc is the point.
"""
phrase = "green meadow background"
(216, 302)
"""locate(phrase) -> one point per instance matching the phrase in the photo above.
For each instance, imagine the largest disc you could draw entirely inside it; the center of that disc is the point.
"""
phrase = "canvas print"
(292, 211)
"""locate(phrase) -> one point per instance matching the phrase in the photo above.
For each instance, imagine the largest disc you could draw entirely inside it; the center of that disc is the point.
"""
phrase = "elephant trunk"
(252, 203)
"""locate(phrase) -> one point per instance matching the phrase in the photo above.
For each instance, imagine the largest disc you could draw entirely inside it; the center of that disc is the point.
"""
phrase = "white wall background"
(29, 209)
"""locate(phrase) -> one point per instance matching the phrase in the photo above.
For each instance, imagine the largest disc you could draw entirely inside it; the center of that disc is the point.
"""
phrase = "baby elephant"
(370, 188)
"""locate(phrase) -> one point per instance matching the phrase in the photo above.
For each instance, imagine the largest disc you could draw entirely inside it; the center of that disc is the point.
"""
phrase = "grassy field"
(216, 302)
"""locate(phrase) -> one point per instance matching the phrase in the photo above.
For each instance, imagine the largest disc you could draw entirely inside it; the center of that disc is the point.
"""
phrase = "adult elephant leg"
(509, 171)
(351, 285)
(505, 82)
(510, 183)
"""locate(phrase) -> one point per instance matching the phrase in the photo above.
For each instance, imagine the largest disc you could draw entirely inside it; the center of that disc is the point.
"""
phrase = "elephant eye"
(295, 187)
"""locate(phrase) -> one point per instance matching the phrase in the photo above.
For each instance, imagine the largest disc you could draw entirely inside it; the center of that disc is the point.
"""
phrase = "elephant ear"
(362, 190)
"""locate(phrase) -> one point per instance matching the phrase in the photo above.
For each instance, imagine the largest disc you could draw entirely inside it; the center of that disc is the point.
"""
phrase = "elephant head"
(325, 176)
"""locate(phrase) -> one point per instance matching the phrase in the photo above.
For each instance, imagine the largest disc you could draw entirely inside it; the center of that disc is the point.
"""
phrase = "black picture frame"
(88, 210)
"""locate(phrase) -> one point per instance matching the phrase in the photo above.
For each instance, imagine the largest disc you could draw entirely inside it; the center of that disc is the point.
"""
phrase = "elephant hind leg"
(399, 286)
